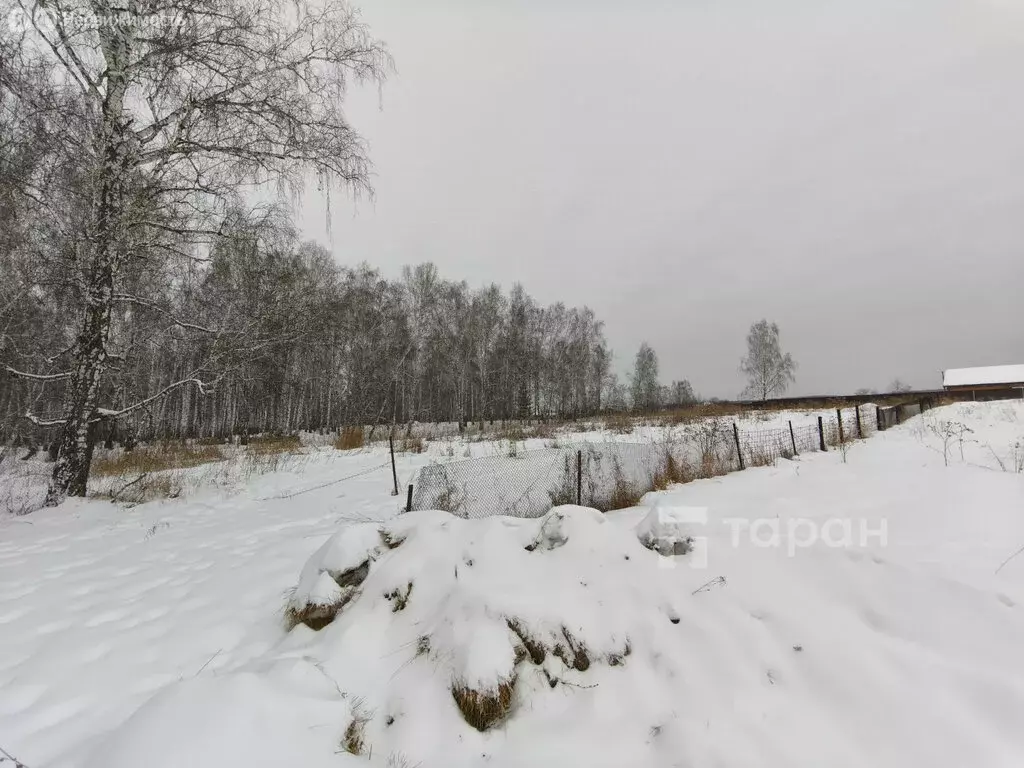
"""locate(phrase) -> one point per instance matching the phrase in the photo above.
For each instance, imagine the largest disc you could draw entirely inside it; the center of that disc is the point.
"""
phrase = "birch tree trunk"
(114, 153)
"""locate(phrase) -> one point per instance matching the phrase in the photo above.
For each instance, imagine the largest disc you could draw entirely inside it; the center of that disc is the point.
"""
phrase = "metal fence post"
(860, 428)
(579, 478)
(736, 435)
(792, 438)
(821, 434)
(839, 418)
(408, 500)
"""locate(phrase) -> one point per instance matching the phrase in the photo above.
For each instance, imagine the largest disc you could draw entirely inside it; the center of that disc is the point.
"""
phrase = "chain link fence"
(616, 474)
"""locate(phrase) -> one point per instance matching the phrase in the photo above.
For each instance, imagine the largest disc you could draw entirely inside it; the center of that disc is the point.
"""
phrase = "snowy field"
(839, 611)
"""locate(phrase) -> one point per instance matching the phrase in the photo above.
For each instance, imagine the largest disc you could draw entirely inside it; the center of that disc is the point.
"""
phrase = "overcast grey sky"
(851, 170)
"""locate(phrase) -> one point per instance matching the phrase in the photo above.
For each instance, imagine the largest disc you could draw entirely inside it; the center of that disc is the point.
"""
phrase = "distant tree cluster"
(284, 339)
(646, 392)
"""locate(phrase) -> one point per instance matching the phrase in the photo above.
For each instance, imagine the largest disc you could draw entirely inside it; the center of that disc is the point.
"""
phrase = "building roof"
(992, 374)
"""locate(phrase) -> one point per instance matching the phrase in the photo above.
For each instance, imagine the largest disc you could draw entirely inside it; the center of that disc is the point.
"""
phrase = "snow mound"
(571, 640)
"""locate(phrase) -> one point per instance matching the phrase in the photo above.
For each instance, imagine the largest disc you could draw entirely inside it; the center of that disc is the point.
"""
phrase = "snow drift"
(570, 640)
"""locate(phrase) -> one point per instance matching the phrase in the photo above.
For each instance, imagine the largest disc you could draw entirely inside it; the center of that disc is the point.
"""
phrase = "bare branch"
(203, 387)
(39, 376)
(124, 297)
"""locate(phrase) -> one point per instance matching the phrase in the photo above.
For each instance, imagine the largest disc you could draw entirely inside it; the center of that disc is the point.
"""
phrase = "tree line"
(143, 291)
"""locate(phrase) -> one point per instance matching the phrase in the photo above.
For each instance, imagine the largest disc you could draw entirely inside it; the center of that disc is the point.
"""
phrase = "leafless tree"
(767, 369)
(186, 103)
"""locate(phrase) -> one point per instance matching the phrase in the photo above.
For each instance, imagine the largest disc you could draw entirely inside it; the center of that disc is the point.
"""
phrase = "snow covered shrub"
(950, 433)
(22, 485)
(711, 438)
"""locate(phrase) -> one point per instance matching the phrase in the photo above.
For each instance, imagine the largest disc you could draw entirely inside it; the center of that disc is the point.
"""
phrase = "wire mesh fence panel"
(909, 409)
(807, 438)
(896, 414)
(616, 474)
(493, 485)
(762, 447)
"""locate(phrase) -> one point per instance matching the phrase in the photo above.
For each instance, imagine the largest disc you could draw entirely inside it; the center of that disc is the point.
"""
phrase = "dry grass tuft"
(484, 709)
(318, 616)
(350, 438)
(670, 472)
(534, 649)
(389, 540)
(156, 458)
(714, 465)
(314, 616)
(619, 658)
(619, 422)
(354, 739)
(411, 445)
(398, 598)
(274, 443)
(423, 645)
(574, 653)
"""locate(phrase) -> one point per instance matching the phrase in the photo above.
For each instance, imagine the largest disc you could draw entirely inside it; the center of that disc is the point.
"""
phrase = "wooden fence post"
(839, 417)
(394, 472)
(736, 435)
(792, 438)
(878, 416)
(821, 434)
(860, 428)
(579, 478)
(408, 500)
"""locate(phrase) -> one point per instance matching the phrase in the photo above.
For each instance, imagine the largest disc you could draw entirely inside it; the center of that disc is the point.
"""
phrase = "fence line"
(615, 474)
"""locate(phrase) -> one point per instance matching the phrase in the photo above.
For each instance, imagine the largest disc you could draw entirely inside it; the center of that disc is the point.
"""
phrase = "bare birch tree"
(187, 103)
(767, 369)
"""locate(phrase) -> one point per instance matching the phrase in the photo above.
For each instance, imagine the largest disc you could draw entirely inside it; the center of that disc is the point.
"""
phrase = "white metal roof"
(992, 374)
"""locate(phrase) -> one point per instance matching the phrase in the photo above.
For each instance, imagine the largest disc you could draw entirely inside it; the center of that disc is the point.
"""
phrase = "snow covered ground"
(857, 610)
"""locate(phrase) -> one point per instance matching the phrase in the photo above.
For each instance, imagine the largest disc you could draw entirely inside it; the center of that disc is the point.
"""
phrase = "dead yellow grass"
(314, 616)
(411, 445)
(274, 444)
(156, 458)
(350, 438)
(484, 709)
(619, 422)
